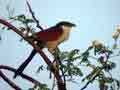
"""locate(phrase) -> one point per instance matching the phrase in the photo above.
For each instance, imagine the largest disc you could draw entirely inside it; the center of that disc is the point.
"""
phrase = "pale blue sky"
(95, 19)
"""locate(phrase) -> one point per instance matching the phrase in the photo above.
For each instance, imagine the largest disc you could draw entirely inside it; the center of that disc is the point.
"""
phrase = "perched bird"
(49, 38)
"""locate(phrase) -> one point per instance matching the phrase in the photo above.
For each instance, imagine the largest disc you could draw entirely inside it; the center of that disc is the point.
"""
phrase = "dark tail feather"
(24, 64)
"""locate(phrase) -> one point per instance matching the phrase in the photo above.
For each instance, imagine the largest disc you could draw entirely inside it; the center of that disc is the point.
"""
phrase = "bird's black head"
(65, 23)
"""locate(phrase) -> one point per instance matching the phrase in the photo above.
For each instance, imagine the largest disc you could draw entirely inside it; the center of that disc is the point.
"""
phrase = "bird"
(49, 38)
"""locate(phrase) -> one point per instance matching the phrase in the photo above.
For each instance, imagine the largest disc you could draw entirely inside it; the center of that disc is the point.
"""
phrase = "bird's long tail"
(24, 64)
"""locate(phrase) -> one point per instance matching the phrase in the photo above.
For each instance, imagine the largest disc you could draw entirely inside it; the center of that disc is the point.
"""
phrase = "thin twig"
(85, 86)
(33, 16)
(89, 82)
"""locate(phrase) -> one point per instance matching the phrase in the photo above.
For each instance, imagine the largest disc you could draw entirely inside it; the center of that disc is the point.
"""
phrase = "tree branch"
(12, 84)
(33, 16)
(10, 26)
(45, 58)
(91, 80)
(24, 76)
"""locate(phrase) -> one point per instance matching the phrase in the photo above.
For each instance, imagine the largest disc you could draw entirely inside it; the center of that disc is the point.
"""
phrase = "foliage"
(97, 58)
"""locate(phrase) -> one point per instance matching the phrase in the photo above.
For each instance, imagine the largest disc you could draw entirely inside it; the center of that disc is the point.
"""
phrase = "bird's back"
(50, 34)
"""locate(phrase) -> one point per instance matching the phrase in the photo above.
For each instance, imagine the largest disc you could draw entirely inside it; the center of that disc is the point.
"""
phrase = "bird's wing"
(50, 34)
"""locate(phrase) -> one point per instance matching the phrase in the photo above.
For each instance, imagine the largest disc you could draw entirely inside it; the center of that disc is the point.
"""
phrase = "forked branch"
(12, 84)
(45, 58)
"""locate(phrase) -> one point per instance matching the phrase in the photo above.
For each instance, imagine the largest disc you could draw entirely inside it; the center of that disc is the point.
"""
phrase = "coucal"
(49, 38)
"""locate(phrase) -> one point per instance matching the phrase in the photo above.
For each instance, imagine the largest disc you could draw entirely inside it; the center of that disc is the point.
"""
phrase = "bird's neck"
(64, 36)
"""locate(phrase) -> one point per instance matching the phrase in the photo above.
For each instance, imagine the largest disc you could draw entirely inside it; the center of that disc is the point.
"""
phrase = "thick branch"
(12, 84)
(45, 58)
(10, 26)
(24, 76)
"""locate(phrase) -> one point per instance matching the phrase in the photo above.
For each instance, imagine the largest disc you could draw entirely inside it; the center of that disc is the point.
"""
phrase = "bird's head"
(65, 25)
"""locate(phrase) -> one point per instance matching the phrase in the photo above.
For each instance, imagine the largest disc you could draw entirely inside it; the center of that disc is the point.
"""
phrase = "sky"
(95, 20)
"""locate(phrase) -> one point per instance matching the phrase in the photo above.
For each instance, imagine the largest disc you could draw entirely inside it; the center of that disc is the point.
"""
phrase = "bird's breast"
(55, 43)
(64, 36)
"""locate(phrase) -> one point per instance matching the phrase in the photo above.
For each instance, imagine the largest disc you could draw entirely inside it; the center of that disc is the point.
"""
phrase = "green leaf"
(77, 71)
(29, 21)
(85, 56)
(108, 80)
(41, 67)
(72, 54)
